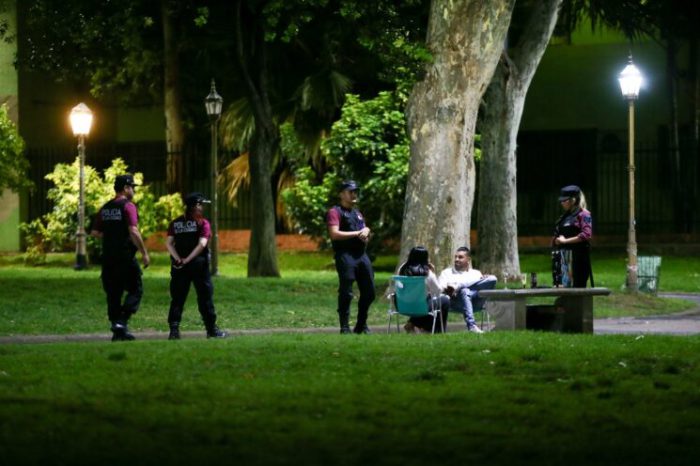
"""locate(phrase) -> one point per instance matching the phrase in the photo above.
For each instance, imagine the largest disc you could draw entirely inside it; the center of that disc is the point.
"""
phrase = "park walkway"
(684, 323)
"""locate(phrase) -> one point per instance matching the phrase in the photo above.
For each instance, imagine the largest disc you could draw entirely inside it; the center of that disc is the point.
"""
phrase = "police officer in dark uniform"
(572, 235)
(117, 224)
(349, 235)
(187, 243)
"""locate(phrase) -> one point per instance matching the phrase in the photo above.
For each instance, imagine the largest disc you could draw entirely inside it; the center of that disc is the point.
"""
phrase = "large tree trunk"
(262, 253)
(501, 114)
(174, 132)
(465, 38)
(497, 215)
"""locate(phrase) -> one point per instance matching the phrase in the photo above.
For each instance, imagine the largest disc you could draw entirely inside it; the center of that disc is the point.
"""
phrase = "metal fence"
(546, 162)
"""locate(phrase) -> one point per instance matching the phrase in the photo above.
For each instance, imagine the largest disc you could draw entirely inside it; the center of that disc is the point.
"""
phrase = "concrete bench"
(572, 311)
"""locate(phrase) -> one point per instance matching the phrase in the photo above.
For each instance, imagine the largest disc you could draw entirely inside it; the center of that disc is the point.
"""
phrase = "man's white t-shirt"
(457, 279)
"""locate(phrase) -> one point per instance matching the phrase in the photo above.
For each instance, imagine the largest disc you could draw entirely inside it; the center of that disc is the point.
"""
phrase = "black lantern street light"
(81, 121)
(213, 104)
(630, 81)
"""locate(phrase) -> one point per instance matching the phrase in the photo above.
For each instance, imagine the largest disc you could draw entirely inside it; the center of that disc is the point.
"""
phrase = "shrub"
(368, 144)
(55, 231)
(13, 165)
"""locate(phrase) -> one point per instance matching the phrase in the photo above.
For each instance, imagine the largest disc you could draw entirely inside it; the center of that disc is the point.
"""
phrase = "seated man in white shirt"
(462, 284)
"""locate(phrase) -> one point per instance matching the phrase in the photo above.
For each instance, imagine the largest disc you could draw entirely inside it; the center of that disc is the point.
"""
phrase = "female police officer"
(572, 235)
(188, 237)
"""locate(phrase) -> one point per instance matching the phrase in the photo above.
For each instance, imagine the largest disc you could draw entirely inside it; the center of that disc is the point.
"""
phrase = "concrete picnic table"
(572, 311)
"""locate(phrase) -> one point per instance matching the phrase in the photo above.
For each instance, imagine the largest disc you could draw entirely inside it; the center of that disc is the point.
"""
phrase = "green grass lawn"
(505, 398)
(54, 299)
(500, 398)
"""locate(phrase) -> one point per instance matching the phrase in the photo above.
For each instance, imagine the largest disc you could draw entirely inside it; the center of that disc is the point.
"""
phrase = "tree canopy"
(296, 60)
(138, 52)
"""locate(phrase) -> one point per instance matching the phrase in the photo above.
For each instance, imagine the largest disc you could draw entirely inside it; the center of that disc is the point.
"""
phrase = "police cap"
(192, 199)
(567, 192)
(349, 185)
(122, 181)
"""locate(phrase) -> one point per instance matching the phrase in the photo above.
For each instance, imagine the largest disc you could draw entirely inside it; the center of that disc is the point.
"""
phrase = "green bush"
(368, 144)
(55, 231)
(13, 165)
(308, 201)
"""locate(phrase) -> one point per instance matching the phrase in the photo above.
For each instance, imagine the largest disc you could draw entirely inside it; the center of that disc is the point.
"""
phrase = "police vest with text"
(186, 233)
(116, 241)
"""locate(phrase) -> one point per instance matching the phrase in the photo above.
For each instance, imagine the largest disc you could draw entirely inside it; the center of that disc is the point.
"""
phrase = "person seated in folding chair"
(462, 284)
(417, 265)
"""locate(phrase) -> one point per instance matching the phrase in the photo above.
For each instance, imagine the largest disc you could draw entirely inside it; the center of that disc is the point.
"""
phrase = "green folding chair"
(411, 298)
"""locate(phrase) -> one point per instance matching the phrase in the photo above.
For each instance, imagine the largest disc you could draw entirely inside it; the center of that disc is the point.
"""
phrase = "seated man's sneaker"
(475, 329)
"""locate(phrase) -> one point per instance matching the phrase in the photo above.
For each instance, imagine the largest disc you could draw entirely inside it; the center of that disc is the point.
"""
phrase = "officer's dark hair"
(464, 249)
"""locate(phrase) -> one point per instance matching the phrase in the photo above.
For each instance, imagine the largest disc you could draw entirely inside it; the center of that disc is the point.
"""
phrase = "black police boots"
(344, 323)
(361, 324)
(214, 332)
(120, 332)
(174, 331)
(361, 329)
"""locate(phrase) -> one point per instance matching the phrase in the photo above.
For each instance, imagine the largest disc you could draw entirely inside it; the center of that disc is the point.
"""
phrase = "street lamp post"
(81, 121)
(213, 103)
(630, 81)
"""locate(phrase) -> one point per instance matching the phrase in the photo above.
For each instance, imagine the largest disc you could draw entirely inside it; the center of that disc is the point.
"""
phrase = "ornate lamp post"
(213, 103)
(81, 121)
(630, 81)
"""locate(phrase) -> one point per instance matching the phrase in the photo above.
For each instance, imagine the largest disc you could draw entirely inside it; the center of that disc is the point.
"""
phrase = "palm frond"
(323, 91)
(237, 126)
(234, 175)
(318, 100)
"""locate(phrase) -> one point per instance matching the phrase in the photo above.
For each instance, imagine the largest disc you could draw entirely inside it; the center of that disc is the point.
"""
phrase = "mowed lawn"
(54, 299)
(500, 398)
(505, 398)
